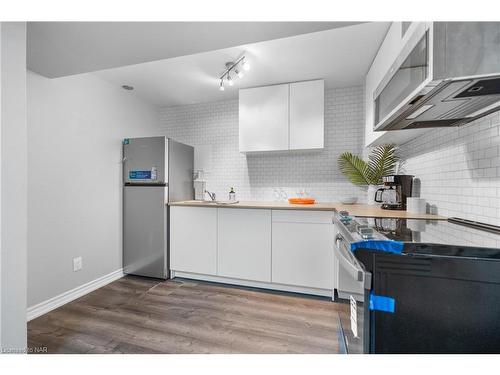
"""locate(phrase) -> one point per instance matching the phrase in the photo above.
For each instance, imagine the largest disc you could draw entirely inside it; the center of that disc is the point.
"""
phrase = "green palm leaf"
(354, 168)
(382, 162)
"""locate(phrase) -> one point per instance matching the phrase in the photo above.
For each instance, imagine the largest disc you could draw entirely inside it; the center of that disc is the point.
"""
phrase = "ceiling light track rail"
(237, 67)
(231, 67)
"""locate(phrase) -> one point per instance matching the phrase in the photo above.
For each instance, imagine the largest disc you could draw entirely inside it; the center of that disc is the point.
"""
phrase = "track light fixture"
(237, 67)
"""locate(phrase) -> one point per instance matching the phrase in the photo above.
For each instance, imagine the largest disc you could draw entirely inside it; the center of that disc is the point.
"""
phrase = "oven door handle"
(348, 263)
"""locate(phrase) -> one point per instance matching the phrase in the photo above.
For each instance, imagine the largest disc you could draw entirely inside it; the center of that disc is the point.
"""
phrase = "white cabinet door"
(263, 118)
(307, 114)
(244, 250)
(303, 254)
(193, 239)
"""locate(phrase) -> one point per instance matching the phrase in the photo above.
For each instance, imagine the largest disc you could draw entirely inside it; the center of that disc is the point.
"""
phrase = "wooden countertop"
(361, 210)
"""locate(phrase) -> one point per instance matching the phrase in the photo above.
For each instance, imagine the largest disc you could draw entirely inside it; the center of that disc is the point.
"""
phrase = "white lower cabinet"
(303, 249)
(289, 250)
(244, 244)
(193, 239)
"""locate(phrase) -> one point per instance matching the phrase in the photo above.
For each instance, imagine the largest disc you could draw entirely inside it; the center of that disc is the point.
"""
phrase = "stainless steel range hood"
(447, 74)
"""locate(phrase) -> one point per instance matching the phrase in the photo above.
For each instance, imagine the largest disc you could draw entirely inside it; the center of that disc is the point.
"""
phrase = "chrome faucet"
(211, 195)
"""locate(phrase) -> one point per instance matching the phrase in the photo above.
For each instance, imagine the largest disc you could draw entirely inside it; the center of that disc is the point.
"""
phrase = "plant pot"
(372, 189)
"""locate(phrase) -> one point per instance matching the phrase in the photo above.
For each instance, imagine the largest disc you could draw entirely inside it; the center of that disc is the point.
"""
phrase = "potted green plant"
(383, 160)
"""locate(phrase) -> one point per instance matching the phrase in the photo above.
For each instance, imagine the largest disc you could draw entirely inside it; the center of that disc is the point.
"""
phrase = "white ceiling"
(57, 49)
(341, 56)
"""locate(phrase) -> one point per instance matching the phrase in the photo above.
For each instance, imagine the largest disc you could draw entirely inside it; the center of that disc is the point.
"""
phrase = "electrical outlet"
(77, 264)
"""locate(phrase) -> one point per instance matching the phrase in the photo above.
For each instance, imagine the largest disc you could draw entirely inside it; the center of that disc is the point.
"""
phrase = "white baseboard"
(63, 298)
(254, 284)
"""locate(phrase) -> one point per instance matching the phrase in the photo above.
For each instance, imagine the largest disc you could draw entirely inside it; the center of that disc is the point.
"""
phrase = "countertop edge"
(299, 207)
(360, 210)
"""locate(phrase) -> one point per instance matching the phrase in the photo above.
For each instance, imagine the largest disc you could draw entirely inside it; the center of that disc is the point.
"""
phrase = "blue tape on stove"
(382, 303)
(394, 247)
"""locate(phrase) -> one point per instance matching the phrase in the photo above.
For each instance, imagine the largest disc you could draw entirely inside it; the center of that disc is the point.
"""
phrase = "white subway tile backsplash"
(459, 169)
(256, 176)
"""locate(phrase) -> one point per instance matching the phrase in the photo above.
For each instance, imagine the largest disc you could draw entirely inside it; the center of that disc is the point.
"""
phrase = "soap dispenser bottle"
(232, 195)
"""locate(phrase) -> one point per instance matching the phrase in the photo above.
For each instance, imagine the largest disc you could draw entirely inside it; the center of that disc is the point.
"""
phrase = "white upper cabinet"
(282, 117)
(396, 38)
(263, 116)
(307, 115)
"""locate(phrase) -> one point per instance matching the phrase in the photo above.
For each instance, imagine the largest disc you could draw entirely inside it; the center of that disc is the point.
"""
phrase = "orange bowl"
(301, 200)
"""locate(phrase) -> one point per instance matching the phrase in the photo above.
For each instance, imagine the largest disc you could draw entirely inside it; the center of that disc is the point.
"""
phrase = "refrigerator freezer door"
(145, 231)
(145, 160)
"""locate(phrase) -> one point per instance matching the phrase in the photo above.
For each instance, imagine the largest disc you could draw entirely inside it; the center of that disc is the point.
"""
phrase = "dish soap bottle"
(232, 195)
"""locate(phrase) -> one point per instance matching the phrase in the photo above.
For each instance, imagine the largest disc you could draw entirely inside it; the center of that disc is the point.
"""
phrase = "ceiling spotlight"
(234, 69)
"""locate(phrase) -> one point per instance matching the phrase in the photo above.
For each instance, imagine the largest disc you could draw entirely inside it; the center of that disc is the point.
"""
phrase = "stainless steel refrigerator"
(156, 170)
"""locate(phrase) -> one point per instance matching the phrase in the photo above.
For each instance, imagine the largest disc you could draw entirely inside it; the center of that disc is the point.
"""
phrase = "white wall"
(13, 175)
(215, 126)
(459, 169)
(75, 128)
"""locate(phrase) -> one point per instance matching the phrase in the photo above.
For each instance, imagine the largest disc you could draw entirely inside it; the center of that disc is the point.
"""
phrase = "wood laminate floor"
(140, 315)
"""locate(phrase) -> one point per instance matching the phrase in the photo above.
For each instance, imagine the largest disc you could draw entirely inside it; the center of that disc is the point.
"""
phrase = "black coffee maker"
(397, 188)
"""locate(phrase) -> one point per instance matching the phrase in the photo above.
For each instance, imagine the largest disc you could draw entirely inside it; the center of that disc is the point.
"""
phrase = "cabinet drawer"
(297, 216)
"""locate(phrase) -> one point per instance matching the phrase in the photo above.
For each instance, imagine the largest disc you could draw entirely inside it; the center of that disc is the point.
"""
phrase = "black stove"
(418, 286)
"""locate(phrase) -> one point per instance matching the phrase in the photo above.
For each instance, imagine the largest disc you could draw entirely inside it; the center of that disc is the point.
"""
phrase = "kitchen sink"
(218, 202)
